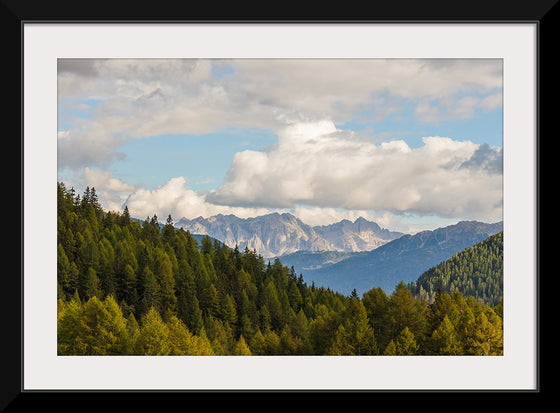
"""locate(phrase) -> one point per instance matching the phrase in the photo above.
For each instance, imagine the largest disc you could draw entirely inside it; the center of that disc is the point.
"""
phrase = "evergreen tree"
(103, 327)
(444, 340)
(257, 343)
(92, 284)
(154, 336)
(403, 311)
(168, 231)
(391, 349)
(211, 300)
(241, 348)
(358, 330)
(406, 344)
(152, 292)
(133, 332)
(271, 343)
(70, 331)
(340, 345)
(125, 218)
(179, 338)
(130, 294)
(376, 303)
(116, 327)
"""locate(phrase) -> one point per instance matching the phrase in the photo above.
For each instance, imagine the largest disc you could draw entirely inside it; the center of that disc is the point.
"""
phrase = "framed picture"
(416, 127)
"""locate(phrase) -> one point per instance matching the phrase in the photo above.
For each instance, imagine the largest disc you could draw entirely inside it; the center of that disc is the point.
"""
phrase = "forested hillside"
(476, 271)
(403, 259)
(131, 287)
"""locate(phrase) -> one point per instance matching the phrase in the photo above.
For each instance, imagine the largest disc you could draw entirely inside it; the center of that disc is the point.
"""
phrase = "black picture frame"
(16, 13)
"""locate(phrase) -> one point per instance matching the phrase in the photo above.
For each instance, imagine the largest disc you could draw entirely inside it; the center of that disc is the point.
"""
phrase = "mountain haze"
(404, 258)
(279, 234)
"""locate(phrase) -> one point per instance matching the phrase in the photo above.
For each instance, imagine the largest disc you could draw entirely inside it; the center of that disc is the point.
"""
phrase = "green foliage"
(476, 271)
(131, 287)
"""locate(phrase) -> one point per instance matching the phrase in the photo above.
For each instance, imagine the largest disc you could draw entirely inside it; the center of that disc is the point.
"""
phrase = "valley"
(346, 255)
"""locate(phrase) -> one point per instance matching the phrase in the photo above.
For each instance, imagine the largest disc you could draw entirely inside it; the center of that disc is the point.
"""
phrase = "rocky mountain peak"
(277, 234)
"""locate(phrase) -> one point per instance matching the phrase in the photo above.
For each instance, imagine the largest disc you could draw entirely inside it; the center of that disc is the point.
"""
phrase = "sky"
(411, 144)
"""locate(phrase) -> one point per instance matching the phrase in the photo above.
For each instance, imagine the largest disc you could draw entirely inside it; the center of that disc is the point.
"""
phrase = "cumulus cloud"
(112, 192)
(139, 98)
(316, 166)
(105, 180)
(315, 216)
(315, 170)
(176, 199)
(431, 110)
(486, 158)
(173, 198)
(77, 148)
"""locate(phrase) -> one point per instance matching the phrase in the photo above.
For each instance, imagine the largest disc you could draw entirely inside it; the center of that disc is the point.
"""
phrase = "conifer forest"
(136, 287)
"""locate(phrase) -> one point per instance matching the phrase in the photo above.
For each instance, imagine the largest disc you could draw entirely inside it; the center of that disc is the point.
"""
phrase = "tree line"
(477, 271)
(127, 286)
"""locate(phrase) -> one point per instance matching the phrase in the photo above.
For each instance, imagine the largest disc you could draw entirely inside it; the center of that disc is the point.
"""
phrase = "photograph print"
(280, 207)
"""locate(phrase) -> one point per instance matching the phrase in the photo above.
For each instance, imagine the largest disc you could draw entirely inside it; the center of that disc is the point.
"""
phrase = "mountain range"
(345, 255)
(277, 234)
(403, 259)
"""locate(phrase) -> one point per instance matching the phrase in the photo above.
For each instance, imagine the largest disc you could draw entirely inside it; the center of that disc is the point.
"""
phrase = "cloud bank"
(316, 166)
(139, 98)
(323, 175)
(316, 171)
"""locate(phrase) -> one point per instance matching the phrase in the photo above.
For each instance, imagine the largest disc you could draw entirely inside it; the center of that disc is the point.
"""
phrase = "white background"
(44, 43)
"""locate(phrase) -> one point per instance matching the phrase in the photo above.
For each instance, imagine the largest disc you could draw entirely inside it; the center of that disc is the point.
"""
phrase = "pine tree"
(273, 305)
(70, 331)
(92, 284)
(340, 345)
(125, 218)
(152, 292)
(164, 273)
(116, 327)
(391, 349)
(359, 332)
(130, 295)
(179, 338)
(444, 340)
(94, 200)
(406, 344)
(98, 330)
(403, 311)
(241, 348)
(154, 335)
(133, 332)
(488, 335)
(227, 310)
(376, 303)
(271, 342)
(257, 343)
(63, 269)
(168, 231)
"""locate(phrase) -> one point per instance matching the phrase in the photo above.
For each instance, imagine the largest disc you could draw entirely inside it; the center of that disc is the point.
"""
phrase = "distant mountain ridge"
(403, 259)
(360, 235)
(277, 234)
(476, 271)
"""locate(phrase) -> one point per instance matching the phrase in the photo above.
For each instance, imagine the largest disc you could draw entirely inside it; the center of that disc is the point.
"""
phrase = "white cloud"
(148, 97)
(172, 198)
(315, 170)
(315, 166)
(324, 216)
(112, 192)
(77, 148)
(431, 110)
(104, 180)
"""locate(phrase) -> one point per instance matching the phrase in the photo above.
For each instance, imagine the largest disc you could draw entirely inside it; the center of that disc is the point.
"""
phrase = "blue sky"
(402, 142)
